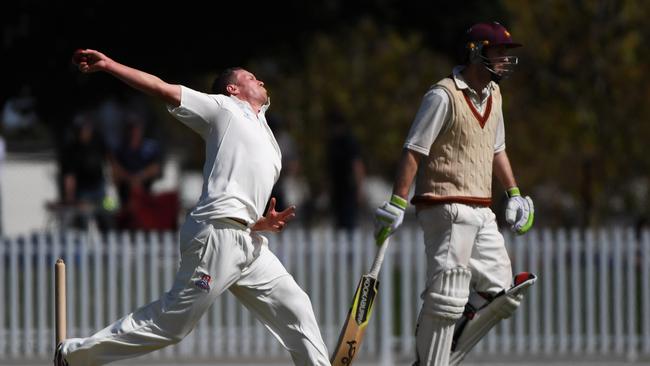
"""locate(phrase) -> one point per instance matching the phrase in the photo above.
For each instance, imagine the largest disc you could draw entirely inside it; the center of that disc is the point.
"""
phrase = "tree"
(375, 76)
(577, 120)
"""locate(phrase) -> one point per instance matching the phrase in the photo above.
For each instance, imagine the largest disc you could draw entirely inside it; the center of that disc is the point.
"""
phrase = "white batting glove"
(520, 211)
(388, 217)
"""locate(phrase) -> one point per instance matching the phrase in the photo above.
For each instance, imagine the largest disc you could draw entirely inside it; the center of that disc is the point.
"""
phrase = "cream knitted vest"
(459, 165)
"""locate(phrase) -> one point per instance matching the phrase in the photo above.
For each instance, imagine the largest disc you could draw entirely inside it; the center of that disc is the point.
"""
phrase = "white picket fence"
(592, 297)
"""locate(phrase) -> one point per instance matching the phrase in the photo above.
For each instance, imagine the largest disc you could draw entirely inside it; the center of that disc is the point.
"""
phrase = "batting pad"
(474, 325)
(447, 294)
(444, 302)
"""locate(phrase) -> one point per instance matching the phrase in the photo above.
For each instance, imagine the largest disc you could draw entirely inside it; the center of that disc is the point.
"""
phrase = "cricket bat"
(359, 315)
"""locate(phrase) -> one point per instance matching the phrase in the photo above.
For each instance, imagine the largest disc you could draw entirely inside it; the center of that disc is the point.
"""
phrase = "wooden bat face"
(356, 322)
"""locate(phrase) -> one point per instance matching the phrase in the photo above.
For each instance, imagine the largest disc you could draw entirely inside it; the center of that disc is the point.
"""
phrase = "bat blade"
(355, 325)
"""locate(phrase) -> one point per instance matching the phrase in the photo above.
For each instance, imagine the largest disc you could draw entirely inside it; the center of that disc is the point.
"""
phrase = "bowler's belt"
(238, 220)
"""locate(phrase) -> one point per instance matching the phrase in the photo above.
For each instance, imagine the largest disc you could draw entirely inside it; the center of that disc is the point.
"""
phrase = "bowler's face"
(249, 88)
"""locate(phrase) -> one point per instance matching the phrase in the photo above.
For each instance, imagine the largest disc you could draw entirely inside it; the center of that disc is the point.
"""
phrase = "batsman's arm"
(389, 216)
(503, 170)
(92, 61)
(406, 170)
(432, 117)
(520, 211)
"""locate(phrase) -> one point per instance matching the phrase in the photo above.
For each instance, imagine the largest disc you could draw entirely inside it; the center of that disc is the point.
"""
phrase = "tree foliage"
(575, 109)
(577, 121)
(375, 77)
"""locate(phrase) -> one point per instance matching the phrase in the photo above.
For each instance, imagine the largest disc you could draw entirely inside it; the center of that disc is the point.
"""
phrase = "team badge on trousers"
(204, 282)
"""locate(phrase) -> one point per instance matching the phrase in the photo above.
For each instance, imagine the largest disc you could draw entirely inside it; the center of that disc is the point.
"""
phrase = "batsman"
(454, 147)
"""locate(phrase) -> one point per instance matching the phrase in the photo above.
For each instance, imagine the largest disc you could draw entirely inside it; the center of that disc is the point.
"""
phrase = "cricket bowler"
(455, 145)
(220, 245)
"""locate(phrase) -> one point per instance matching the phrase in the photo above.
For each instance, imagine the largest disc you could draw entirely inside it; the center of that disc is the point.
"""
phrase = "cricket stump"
(59, 301)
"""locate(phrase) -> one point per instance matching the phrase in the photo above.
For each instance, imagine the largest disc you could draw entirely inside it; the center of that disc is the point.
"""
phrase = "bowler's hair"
(226, 77)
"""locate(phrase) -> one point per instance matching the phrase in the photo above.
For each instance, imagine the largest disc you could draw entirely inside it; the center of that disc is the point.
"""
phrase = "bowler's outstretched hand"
(273, 220)
(90, 60)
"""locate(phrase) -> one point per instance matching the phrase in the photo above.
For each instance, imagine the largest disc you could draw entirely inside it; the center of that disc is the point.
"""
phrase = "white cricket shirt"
(242, 157)
(434, 116)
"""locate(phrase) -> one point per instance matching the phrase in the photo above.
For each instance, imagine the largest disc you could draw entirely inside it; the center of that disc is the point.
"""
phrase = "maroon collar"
(486, 114)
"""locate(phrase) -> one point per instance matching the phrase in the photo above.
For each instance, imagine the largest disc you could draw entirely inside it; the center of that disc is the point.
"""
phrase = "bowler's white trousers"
(216, 256)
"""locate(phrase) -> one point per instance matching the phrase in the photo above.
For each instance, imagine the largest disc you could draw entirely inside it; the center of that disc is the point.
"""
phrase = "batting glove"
(520, 212)
(388, 217)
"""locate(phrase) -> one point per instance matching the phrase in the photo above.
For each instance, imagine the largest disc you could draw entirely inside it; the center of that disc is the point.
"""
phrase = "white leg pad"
(444, 303)
(433, 341)
(474, 325)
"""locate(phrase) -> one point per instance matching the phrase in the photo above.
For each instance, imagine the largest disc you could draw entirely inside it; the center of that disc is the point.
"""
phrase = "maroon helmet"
(490, 34)
(481, 36)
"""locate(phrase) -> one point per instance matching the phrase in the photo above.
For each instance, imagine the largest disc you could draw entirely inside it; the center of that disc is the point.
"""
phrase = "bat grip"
(382, 242)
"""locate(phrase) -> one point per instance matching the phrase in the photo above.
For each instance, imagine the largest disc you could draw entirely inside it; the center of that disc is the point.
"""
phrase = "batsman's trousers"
(459, 235)
(215, 256)
(464, 249)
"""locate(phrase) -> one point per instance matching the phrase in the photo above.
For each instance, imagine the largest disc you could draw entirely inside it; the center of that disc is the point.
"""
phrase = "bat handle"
(382, 236)
(382, 242)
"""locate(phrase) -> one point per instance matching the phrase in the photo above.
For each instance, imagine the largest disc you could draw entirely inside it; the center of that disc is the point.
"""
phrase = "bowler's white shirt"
(242, 157)
(434, 115)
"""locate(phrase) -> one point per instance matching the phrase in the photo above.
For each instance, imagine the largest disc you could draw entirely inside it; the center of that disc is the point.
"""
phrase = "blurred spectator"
(287, 153)
(290, 189)
(136, 164)
(110, 115)
(19, 112)
(2, 160)
(346, 172)
(82, 170)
